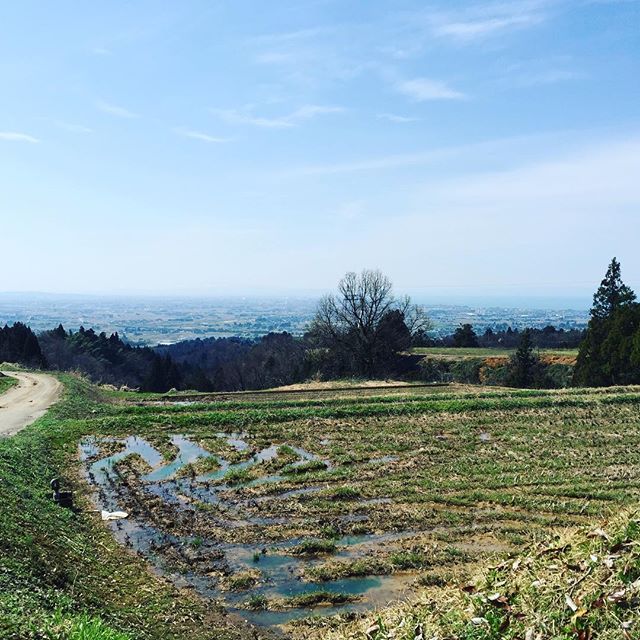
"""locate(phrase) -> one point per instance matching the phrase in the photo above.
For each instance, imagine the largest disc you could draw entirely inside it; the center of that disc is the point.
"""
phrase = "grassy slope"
(6, 382)
(61, 574)
(580, 585)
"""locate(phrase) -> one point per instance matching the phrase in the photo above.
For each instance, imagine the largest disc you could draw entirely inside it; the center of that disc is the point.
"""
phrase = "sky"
(466, 149)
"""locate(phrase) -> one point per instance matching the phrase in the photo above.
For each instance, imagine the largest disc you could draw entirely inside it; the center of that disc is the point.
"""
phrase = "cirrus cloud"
(16, 136)
(425, 89)
(199, 135)
(287, 121)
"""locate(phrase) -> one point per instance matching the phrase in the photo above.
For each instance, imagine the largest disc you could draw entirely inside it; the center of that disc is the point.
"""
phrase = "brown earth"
(27, 401)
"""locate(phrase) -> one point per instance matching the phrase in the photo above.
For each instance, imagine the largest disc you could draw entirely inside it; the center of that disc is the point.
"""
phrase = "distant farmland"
(479, 352)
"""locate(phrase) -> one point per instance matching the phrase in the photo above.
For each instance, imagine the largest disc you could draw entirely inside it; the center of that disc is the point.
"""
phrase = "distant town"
(154, 320)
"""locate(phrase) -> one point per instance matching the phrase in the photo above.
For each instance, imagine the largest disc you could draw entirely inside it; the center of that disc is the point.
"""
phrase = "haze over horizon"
(486, 149)
(517, 299)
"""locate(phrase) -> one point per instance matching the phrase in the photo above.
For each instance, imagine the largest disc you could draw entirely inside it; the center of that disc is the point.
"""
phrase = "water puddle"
(383, 460)
(275, 571)
(188, 452)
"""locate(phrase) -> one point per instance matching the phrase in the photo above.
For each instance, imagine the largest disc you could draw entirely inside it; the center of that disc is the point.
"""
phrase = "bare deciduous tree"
(365, 321)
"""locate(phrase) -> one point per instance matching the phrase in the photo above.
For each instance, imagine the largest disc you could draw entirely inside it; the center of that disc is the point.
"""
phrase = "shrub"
(560, 375)
(467, 371)
(432, 370)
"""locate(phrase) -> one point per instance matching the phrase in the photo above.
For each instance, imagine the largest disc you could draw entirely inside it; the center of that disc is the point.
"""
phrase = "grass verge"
(6, 382)
(62, 575)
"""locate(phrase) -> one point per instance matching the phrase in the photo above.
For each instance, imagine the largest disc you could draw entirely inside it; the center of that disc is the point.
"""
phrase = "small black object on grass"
(63, 498)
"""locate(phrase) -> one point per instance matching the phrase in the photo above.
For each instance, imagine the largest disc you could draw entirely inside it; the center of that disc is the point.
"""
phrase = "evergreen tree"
(465, 336)
(171, 373)
(608, 355)
(156, 379)
(612, 293)
(59, 332)
(523, 363)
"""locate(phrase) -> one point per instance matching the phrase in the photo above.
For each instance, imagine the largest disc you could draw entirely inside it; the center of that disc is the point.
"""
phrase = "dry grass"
(583, 584)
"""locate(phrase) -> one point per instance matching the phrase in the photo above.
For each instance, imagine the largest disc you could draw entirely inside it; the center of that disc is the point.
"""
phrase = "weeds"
(319, 597)
(314, 547)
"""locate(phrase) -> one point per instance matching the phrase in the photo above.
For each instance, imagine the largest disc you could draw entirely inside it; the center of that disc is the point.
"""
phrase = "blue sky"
(202, 147)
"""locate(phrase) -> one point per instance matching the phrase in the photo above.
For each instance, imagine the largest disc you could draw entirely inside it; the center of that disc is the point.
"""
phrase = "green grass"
(6, 382)
(241, 419)
(82, 628)
(257, 601)
(345, 493)
(242, 581)
(237, 476)
(305, 467)
(314, 547)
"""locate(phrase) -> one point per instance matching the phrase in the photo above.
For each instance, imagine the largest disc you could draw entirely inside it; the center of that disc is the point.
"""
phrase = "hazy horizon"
(575, 301)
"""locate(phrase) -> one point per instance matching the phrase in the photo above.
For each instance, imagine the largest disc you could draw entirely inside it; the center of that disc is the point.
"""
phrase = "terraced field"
(289, 505)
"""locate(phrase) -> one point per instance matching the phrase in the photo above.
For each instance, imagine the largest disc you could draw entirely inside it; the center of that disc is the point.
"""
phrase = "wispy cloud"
(275, 57)
(15, 136)
(425, 89)
(101, 51)
(474, 30)
(312, 110)
(392, 117)
(566, 191)
(487, 20)
(313, 57)
(199, 135)
(601, 175)
(300, 35)
(392, 161)
(115, 110)
(293, 119)
(552, 76)
(513, 146)
(73, 128)
(233, 116)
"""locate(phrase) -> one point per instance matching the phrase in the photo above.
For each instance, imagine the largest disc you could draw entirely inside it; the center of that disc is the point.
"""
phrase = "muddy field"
(289, 506)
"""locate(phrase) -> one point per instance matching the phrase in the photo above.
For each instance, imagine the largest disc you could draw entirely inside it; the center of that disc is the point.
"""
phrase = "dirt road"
(25, 402)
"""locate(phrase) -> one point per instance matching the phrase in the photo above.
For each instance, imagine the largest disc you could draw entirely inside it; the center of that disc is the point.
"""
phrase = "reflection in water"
(279, 569)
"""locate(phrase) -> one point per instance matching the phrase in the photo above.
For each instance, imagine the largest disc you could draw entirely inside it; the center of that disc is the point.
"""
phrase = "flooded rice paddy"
(264, 581)
(281, 509)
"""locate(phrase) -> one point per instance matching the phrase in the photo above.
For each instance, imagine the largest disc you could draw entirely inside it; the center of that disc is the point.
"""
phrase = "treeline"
(108, 359)
(19, 344)
(104, 359)
(547, 338)
(223, 364)
(236, 364)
